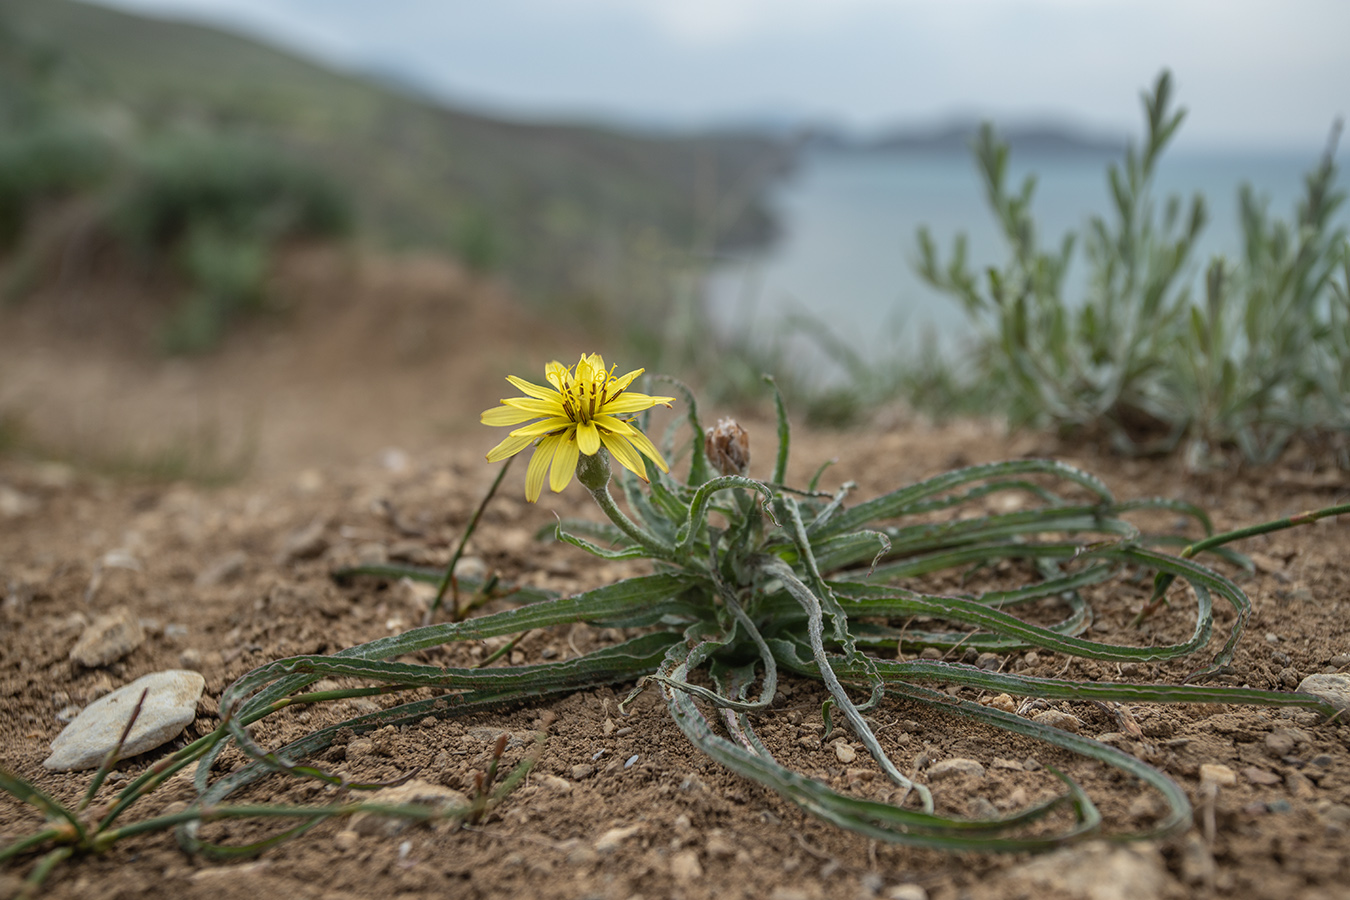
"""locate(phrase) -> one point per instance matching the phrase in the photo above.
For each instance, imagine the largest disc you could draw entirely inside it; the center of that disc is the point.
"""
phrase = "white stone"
(907, 892)
(950, 768)
(1061, 720)
(170, 706)
(610, 840)
(1333, 688)
(1218, 775)
(412, 793)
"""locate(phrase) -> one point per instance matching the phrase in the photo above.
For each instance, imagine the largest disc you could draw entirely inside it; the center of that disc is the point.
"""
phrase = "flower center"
(583, 397)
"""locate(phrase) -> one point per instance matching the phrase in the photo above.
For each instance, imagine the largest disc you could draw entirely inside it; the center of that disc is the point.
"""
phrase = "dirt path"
(360, 412)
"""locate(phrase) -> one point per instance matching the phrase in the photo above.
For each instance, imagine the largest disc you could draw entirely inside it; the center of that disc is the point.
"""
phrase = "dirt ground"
(356, 412)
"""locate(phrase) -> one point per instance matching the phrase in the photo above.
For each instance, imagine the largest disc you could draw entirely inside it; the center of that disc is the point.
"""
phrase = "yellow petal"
(588, 438)
(609, 423)
(534, 476)
(585, 371)
(534, 390)
(509, 447)
(547, 426)
(628, 402)
(505, 415)
(555, 372)
(623, 381)
(623, 451)
(550, 407)
(564, 464)
(648, 449)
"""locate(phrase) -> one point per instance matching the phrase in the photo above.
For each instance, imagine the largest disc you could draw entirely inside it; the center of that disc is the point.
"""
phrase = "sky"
(1254, 74)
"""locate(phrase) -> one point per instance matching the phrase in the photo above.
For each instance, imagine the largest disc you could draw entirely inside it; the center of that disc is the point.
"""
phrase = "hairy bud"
(728, 447)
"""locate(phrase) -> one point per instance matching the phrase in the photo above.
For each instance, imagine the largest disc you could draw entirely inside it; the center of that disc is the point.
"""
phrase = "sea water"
(846, 259)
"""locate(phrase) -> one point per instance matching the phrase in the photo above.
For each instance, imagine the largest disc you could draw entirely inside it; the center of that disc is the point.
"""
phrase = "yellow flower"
(579, 414)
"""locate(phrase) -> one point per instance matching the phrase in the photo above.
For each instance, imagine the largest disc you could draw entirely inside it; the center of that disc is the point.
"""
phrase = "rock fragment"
(1061, 720)
(950, 768)
(610, 840)
(107, 639)
(412, 793)
(170, 706)
(1333, 688)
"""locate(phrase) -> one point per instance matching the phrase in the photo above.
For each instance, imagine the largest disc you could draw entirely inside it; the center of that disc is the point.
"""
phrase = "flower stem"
(643, 538)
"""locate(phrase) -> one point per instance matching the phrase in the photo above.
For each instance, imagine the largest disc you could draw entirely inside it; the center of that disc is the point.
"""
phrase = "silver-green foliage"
(1260, 356)
(753, 578)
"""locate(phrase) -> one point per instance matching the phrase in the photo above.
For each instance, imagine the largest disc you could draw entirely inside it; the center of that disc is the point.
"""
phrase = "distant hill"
(556, 206)
(1031, 139)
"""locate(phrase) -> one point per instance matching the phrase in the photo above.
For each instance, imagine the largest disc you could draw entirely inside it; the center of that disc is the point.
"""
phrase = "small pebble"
(412, 793)
(1056, 719)
(990, 662)
(1260, 776)
(107, 639)
(981, 808)
(554, 783)
(950, 768)
(1280, 743)
(582, 771)
(471, 567)
(906, 892)
(845, 753)
(170, 706)
(611, 839)
(1217, 775)
(1335, 689)
(1299, 785)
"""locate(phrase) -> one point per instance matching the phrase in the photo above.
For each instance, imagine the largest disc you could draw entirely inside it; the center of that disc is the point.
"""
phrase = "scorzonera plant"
(751, 578)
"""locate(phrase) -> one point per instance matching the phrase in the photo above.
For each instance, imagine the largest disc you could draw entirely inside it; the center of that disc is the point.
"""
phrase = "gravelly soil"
(395, 468)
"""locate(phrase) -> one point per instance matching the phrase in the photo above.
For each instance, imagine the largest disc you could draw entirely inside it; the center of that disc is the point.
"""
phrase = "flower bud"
(728, 447)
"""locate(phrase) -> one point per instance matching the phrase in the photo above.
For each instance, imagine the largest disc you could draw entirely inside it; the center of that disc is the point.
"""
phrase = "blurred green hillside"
(565, 212)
